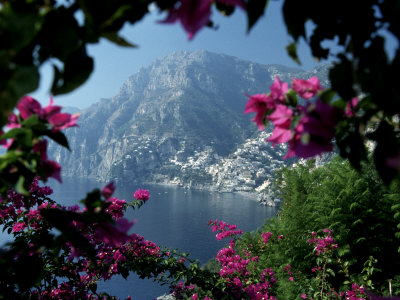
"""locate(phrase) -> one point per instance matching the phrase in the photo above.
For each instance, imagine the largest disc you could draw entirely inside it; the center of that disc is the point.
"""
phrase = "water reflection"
(173, 217)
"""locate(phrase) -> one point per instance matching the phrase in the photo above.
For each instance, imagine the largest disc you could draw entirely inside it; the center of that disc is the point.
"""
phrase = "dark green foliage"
(255, 9)
(362, 212)
(212, 266)
(355, 73)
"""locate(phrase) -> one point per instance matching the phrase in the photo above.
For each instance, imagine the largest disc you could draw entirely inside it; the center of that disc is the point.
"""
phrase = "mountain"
(176, 121)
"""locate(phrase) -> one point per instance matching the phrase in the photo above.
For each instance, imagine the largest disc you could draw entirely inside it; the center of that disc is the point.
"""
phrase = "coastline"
(261, 198)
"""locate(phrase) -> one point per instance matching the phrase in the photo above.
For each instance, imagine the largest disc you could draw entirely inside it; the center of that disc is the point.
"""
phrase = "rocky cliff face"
(181, 109)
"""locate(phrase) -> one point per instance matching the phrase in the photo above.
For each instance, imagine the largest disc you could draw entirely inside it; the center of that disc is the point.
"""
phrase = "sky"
(265, 44)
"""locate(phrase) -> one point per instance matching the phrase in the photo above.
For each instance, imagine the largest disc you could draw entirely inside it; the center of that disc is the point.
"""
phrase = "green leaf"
(354, 206)
(118, 40)
(292, 52)
(225, 9)
(20, 188)
(77, 69)
(92, 200)
(341, 77)
(22, 135)
(327, 95)
(395, 207)
(24, 80)
(343, 251)
(291, 97)
(26, 138)
(12, 134)
(31, 121)
(93, 287)
(361, 239)
(331, 272)
(357, 222)
(255, 9)
(123, 271)
(295, 15)
(61, 220)
(59, 138)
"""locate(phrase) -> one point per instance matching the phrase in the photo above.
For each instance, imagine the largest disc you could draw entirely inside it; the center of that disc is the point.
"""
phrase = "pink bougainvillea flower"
(28, 106)
(13, 121)
(18, 227)
(281, 118)
(63, 120)
(75, 252)
(306, 88)
(7, 143)
(116, 234)
(193, 15)
(41, 148)
(51, 169)
(108, 190)
(303, 296)
(279, 89)
(260, 104)
(350, 107)
(315, 130)
(265, 236)
(280, 135)
(116, 207)
(50, 110)
(225, 230)
(141, 194)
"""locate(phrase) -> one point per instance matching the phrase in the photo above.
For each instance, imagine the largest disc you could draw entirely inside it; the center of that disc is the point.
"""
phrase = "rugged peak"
(182, 104)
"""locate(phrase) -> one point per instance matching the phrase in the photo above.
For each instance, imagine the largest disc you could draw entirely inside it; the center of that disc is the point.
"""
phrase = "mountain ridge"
(182, 104)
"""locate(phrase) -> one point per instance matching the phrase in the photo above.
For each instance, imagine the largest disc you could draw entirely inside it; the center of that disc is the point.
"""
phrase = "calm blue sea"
(175, 218)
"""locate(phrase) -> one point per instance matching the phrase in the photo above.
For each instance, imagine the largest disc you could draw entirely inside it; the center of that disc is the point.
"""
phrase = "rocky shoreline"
(260, 197)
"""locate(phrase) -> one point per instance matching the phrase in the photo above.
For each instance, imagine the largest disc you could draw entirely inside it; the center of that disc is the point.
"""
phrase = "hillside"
(180, 120)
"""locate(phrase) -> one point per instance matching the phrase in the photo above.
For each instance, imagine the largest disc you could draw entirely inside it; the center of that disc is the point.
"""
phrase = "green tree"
(357, 206)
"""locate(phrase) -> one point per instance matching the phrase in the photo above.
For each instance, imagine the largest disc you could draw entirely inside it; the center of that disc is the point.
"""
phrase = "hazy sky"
(113, 65)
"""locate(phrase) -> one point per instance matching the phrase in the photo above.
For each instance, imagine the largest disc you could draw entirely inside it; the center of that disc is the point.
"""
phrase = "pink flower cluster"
(265, 236)
(28, 106)
(50, 167)
(236, 273)
(108, 190)
(195, 14)
(178, 290)
(112, 243)
(196, 297)
(287, 270)
(18, 211)
(309, 129)
(325, 244)
(141, 194)
(356, 293)
(116, 208)
(51, 114)
(224, 229)
(238, 269)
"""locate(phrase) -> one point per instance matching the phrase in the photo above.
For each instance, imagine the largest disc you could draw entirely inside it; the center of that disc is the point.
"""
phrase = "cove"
(173, 217)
